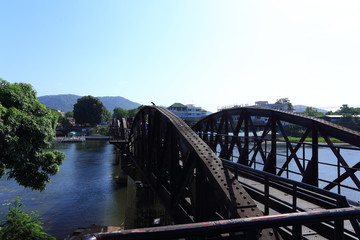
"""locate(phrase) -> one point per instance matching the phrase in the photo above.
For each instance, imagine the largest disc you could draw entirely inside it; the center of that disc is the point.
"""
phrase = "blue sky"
(205, 52)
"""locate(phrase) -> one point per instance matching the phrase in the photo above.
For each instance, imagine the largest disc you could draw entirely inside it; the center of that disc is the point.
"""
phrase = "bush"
(99, 131)
(20, 225)
(294, 130)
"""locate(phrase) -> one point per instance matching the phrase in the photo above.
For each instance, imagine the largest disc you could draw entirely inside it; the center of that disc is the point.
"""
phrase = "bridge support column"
(120, 160)
(311, 175)
(270, 165)
(143, 208)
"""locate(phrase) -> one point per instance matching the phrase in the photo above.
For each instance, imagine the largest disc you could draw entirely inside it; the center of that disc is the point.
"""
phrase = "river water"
(86, 192)
(82, 193)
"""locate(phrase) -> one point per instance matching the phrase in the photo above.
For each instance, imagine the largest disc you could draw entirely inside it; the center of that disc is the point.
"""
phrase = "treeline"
(349, 118)
(90, 111)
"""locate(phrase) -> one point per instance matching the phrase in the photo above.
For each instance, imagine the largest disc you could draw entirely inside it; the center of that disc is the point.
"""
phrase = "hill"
(301, 109)
(65, 102)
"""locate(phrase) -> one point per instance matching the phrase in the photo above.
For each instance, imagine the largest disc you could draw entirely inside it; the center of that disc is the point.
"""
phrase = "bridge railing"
(332, 175)
(281, 195)
(238, 228)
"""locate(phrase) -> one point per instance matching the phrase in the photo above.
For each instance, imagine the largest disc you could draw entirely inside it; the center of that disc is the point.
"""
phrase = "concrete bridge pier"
(143, 207)
(121, 162)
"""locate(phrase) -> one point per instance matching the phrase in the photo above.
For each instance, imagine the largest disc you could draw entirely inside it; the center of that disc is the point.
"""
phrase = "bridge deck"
(302, 205)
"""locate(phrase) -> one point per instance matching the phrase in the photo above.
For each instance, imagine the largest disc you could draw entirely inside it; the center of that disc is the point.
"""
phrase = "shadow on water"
(84, 192)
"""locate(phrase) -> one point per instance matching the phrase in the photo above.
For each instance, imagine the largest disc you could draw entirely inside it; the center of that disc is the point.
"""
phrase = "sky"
(203, 52)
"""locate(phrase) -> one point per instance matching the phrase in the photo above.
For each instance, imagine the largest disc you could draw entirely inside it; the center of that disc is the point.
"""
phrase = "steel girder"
(222, 132)
(185, 172)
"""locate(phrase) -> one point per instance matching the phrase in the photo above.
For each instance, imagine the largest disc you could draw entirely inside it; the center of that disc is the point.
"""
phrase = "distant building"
(257, 120)
(260, 104)
(61, 112)
(267, 105)
(189, 112)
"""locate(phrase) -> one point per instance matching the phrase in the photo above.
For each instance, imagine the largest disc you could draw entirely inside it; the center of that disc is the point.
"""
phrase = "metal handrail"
(324, 198)
(246, 226)
(265, 141)
(282, 180)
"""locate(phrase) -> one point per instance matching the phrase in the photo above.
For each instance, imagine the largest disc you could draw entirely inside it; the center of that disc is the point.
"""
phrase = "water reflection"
(84, 192)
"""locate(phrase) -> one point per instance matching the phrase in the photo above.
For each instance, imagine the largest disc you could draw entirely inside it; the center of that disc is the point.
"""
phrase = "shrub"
(20, 225)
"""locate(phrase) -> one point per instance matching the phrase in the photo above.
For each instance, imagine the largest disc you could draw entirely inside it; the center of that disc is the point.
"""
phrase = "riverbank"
(81, 138)
(79, 233)
(309, 140)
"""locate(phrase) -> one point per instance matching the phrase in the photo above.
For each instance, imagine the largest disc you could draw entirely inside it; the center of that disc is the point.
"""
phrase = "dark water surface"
(84, 192)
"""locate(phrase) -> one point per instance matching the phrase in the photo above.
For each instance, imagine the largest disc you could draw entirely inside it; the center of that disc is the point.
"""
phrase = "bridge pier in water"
(143, 206)
(119, 161)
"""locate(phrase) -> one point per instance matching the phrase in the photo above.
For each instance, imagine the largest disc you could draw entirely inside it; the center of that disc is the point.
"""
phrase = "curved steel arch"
(333, 130)
(187, 175)
(223, 129)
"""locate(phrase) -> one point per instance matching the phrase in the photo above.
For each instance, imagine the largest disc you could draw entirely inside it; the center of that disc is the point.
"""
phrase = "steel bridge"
(238, 175)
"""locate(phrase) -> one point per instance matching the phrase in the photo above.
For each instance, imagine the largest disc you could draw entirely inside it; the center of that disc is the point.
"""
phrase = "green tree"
(133, 112)
(120, 113)
(285, 101)
(69, 114)
(346, 110)
(310, 111)
(293, 130)
(107, 117)
(20, 225)
(99, 131)
(89, 110)
(27, 128)
(349, 117)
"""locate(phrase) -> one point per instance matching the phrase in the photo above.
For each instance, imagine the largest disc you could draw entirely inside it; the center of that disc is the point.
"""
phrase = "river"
(82, 193)
(85, 190)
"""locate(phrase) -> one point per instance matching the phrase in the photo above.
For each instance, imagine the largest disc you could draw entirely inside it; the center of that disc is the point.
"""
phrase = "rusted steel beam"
(239, 225)
(185, 172)
(334, 130)
(252, 151)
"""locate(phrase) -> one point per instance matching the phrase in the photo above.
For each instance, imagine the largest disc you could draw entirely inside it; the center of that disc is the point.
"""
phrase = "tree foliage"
(349, 117)
(69, 114)
(310, 111)
(27, 128)
(20, 225)
(90, 110)
(293, 130)
(345, 110)
(122, 113)
(99, 131)
(285, 101)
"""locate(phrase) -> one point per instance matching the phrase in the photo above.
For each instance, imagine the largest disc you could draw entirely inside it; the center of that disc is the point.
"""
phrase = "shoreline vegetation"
(309, 140)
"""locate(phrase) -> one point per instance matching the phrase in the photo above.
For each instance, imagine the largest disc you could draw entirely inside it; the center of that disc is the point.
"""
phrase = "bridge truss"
(234, 135)
(208, 175)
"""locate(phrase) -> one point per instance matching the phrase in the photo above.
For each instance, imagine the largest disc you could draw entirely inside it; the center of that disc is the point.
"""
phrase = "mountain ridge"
(65, 102)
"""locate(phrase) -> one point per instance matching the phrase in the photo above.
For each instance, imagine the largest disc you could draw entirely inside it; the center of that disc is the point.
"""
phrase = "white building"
(188, 112)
